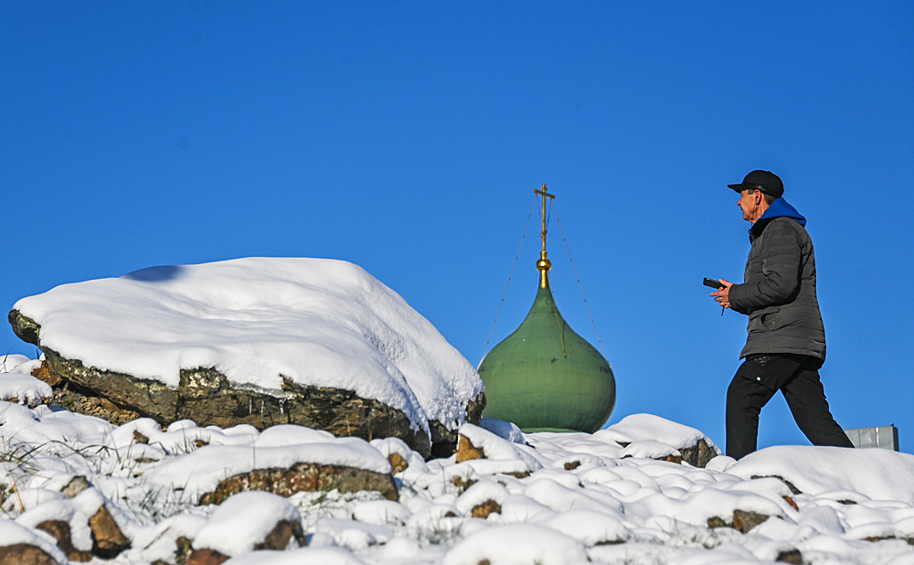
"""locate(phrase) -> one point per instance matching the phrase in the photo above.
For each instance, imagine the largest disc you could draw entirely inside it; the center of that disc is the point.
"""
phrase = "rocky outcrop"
(207, 397)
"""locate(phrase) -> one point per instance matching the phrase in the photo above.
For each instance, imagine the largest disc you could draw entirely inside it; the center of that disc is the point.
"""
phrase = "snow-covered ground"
(549, 498)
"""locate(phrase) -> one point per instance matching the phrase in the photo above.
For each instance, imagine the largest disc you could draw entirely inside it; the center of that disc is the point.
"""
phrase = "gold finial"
(544, 264)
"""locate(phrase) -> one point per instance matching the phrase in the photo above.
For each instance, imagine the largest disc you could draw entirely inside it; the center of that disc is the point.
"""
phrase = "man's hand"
(722, 296)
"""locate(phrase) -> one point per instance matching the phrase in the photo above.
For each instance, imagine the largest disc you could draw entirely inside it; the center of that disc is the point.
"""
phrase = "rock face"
(209, 398)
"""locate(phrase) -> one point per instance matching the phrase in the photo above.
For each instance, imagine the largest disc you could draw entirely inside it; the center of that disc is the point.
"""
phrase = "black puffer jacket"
(779, 294)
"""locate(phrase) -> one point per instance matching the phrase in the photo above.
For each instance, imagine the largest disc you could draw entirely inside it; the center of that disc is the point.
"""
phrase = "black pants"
(797, 377)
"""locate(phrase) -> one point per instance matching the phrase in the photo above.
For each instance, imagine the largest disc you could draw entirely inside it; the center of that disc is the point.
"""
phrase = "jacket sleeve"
(779, 279)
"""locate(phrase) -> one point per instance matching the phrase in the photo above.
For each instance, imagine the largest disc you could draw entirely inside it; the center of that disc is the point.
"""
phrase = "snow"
(553, 498)
(586, 498)
(12, 533)
(199, 472)
(16, 383)
(318, 322)
(647, 427)
(24, 388)
(517, 543)
(243, 521)
(823, 470)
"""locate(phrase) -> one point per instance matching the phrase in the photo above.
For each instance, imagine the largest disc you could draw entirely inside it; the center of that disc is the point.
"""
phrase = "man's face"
(750, 202)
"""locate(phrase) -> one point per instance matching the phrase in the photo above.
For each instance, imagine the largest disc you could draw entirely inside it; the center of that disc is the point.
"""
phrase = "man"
(786, 343)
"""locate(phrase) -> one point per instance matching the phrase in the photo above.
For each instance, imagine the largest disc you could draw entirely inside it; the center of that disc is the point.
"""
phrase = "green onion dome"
(545, 377)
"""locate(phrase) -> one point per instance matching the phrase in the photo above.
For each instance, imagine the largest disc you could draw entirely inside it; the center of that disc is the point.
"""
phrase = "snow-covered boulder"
(662, 438)
(249, 521)
(260, 341)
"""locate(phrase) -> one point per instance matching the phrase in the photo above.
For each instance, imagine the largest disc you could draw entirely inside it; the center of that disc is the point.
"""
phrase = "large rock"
(207, 397)
(255, 341)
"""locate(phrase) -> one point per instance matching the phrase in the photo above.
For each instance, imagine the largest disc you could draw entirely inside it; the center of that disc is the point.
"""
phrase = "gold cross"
(543, 265)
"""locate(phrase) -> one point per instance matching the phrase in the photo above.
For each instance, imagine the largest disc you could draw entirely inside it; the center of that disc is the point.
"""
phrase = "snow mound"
(874, 473)
(647, 427)
(24, 388)
(517, 543)
(244, 520)
(318, 322)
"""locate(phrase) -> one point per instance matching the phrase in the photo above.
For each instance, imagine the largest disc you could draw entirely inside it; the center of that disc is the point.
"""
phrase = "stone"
(791, 502)
(25, 554)
(466, 451)
(108, 541)
(183, 549)
(397, 463)
(60, 531)
(790, 485)
(790, 556)
(462, 484)
(742, 520)
(699, 454)
(484, 509)
(283, 533)
(304, 477)
(206, 557)
(76, 485)
(444, 441)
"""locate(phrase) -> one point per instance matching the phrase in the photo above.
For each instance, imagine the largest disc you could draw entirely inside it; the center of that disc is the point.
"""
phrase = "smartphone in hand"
(713, 283)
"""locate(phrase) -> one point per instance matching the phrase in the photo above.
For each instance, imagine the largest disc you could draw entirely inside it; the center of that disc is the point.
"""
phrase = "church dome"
(544, 376)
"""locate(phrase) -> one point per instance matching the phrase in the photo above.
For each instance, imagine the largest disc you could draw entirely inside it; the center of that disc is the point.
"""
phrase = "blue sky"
(407, 138)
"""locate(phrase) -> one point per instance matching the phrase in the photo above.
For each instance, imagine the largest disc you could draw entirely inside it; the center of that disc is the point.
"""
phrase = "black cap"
(766, 181)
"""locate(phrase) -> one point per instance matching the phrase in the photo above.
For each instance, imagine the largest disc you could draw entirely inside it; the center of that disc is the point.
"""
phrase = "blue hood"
(778, 209)
(781, 209)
